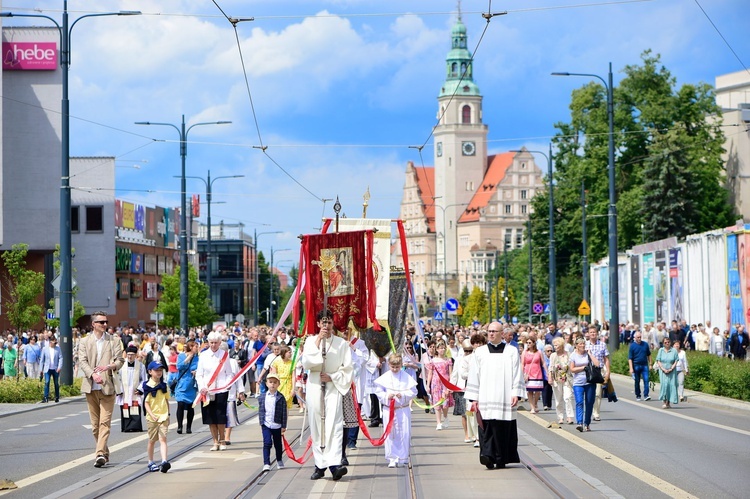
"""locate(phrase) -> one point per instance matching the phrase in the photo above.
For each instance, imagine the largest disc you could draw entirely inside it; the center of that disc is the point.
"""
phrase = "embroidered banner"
(336, 266)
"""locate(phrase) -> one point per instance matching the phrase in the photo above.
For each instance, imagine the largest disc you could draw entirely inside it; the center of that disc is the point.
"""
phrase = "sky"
(341, 93)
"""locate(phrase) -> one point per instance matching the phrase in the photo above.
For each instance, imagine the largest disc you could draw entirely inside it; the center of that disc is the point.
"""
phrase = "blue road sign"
(515, 320)
(476, 324)
(546, 309)
(438, 316)
(537, 308)
(451, 304)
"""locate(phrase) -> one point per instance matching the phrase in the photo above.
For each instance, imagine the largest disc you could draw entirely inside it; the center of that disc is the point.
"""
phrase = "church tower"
(460, 140)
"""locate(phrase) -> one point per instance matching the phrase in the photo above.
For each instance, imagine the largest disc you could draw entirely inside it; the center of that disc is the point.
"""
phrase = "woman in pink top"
(534, 372)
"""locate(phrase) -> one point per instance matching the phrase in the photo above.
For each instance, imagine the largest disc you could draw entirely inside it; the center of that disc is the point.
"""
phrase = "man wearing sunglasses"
(100, 356)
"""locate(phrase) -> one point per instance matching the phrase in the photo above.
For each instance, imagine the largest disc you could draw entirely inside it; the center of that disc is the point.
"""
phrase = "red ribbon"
(363, 426)
(446, 383)
(202, 396)
(290, 453)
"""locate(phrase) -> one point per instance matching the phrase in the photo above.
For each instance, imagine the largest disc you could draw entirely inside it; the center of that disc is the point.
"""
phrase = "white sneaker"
(445, 423)
(393, 463)
(266, 467)
(439, 427)
(476, 444)
(280, 465)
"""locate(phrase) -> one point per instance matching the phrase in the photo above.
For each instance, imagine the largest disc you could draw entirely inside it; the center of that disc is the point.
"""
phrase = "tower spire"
(459, 10)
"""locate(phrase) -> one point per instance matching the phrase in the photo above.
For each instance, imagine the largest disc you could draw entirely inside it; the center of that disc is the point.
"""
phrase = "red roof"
(498, 165)
(426, 186)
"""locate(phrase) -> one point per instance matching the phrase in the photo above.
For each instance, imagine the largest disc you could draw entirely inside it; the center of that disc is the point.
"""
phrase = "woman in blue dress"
(666, 360)
(187, 389)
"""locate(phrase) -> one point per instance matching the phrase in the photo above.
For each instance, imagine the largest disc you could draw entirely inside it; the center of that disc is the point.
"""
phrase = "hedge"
(25, 390)
(707, 373)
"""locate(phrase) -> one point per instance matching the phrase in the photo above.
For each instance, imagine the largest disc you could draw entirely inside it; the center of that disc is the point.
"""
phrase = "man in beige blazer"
(99, 357)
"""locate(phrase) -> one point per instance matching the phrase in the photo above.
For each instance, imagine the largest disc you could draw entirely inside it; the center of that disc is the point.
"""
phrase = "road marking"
(46, 421)
(688, 418)
(31, 425)
(13, 429)
(638, 473)
(61, 417)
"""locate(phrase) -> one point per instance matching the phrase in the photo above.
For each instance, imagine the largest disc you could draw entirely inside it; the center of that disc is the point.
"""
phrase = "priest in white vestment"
(494, 386)
(396, 384)
(335, 372)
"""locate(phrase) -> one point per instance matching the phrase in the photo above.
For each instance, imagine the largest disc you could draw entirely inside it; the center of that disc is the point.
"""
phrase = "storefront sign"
(29, 56)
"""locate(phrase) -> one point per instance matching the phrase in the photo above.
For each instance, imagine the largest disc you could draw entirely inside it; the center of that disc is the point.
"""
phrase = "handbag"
(593, 373)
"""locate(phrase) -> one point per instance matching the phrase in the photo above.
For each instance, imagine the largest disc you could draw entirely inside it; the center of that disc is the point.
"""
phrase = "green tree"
(476, 308)
(78, 309)
(200, 309)
(662, 134)
(22, 289)
(264, 289)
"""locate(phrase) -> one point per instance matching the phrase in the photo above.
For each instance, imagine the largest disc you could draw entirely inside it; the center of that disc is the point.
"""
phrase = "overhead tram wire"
(261, 146)
(722, 36)
(348, 16)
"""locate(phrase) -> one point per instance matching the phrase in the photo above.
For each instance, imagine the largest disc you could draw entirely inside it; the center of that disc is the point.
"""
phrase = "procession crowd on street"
(340, 383)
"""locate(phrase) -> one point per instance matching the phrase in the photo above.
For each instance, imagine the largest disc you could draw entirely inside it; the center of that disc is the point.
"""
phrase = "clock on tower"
(468, 148)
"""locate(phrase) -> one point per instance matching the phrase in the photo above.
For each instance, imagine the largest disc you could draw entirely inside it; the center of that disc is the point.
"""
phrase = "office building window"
(523, 194)
(508, 209)
(75, 214)
(523, 209)
(94, 219)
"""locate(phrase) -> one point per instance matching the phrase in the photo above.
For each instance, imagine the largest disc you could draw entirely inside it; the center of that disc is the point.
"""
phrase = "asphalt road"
(638, 449)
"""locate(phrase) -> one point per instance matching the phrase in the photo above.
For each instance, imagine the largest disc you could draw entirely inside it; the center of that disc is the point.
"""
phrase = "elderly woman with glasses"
(667, 361)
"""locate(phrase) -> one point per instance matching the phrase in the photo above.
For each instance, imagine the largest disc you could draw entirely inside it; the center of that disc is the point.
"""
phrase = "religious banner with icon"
(381, 256)
(339, 275)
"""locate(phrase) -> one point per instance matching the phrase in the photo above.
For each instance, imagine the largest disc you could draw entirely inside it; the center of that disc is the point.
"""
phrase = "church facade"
(460, 213)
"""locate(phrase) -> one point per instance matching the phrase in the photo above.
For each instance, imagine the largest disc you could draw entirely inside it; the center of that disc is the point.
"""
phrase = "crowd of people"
(479, 375)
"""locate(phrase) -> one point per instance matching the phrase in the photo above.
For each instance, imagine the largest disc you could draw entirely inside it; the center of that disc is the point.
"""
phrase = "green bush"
(25, 390)
(708, 373)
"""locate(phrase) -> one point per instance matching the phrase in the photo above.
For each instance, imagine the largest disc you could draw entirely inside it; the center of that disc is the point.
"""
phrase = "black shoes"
(189, 431)
(375, 423)
(57, 400)
(100, 461)
(345, 462)
(317, 474)
(45, 400)
(339, 472)
(179, 430)
(487, 462)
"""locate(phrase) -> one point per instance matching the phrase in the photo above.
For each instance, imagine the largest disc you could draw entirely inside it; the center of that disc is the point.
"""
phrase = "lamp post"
(209, 185)
(66, 275)
(614, 294)
(270, 290)
(585, 243)
(445, 252)
(505, 294)
(531, 276)
(256, 294)
(552, 254)
(183, 132)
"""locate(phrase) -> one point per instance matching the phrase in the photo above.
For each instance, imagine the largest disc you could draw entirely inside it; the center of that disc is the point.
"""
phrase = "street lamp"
(531, 275)
(445, 250)
(183, 132)
(270, 292)
(66, 258)
(256, 294)
(552, 255)
(585, 243)
(614, 294)
(209, 184)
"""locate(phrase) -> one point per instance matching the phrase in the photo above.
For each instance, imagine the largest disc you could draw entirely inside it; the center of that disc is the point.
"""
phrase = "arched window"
(466, 114)
(454, 69)
(463, 68)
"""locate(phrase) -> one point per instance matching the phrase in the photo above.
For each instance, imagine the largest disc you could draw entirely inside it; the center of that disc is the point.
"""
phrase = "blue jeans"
(640, 371)
(585, 394)
(271, 437)
(56, 375)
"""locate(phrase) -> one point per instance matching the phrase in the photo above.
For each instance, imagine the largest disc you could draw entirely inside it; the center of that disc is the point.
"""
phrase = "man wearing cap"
(133, 373)
(100, 357)
(329, 360)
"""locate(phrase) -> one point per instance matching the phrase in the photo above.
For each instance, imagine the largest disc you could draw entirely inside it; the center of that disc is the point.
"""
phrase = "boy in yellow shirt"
(156, 403)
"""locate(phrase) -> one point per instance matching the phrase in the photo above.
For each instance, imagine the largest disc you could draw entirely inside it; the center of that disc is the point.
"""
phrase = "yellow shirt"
(158, 403)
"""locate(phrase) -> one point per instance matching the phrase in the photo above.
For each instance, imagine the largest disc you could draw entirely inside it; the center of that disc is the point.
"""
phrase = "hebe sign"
(25, 56)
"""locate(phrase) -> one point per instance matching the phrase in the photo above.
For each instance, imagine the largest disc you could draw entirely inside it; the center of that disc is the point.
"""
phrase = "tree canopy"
(22, 289)
(669, 171)
(200, 309)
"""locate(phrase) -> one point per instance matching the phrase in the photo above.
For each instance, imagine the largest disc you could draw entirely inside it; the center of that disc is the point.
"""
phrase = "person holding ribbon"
(329, 361)
(214, 378)
(399, 387)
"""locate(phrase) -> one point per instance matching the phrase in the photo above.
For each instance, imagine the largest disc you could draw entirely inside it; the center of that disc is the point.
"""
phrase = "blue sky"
(342, 88)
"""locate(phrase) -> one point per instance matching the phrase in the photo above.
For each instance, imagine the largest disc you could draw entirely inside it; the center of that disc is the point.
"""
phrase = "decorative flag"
(339, 269)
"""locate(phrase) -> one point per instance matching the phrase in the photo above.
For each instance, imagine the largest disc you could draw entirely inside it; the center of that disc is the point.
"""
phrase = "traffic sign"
(451, 305)
(546, 309)
(476, 324)
(583, 308)
(515, 320)
(538, 308)
(438, 316)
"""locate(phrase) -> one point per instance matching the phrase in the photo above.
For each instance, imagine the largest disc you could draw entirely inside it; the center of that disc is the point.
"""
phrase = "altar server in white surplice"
(336, 372)
(396, 384)
(494, 386)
